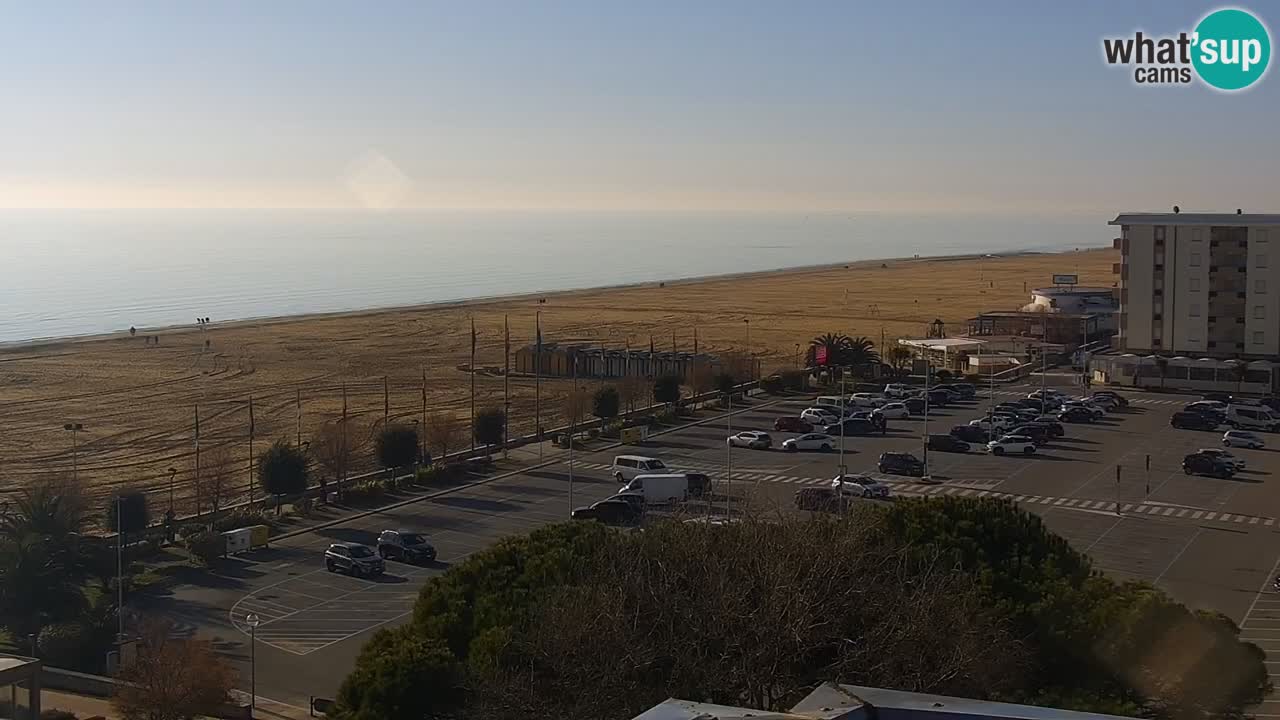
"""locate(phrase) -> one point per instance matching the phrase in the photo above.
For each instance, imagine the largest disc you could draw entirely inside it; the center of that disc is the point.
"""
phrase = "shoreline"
(53, 342)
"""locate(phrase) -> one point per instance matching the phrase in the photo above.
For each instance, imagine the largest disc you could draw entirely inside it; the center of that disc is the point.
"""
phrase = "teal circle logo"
(1232, 49)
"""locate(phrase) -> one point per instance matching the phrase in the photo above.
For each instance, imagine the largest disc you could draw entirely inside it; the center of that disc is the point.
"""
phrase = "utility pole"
(573, 426)
(473, 383)
(197, 460)
(423, 451)
(298, 417)
(120, 565)
(728, 451)
(843, 414)
(925, 430)
(386, 401)
(251, 458)
(751, 369)
(537, 382)
(506, 381)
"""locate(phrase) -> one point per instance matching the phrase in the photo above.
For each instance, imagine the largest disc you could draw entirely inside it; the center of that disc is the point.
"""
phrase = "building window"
(1258, 338)
(1260, 287)
(1195, 284)
(1158, 233)
(1195, 259)
(1195, 309)
(1259, 312)
(1261, 261)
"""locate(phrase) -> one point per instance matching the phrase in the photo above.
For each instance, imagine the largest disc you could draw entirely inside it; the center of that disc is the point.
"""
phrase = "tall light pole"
(840, 470)
(728, 449)
(253, 621)
(751, 366)
(797, 356)
(74, 429)
(120, 567)
(172, 472)
(928, 366)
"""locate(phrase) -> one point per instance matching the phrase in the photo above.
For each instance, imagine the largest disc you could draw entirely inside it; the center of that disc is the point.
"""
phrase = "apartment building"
(1202, 285)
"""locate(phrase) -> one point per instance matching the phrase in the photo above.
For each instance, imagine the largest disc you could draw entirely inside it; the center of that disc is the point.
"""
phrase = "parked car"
(1053, 427)
(915, 405)
(893, 410)
(1121, 400)
(1185, 420)
(809, 441)
(1038, 433)
(635, 500)
(1076, 415)
(609, 512)
(1012, 445)
(860, 486)
(1098, 412)
(970, 434)
(867, 400)
(660, 489)
(1048, 394)
(950, 390)
(819, 417)
(626, 467)
(1010, 405)
(1039, 404)
(948, 443)
(967, 390)
(699, 484)
(1252, 417)
(1271, 402)
(939, 398)
(819, 499)
(753, 439)
(852, 426)
(1106, 402)
(1197, 464)
(406, 546)
(792, 424)
(1242, 438)
(900, 463)
(1223, 455)
(1224, 398)
(995, 423)
(354, 559)
(1212, 406)
(898, 390)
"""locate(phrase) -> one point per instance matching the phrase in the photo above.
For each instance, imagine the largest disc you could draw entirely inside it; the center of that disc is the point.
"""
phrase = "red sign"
(820, 355)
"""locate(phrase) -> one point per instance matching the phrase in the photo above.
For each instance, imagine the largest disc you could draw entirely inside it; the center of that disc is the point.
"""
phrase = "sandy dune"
(138, 402)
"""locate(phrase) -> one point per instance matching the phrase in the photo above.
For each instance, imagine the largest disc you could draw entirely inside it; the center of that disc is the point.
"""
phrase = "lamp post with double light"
(253, 621)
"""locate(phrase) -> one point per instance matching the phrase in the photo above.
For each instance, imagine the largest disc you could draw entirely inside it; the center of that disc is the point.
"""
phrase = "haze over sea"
(78, 272)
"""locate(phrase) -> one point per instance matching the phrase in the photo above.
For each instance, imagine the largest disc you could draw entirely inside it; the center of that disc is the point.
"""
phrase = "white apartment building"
(1199, 285)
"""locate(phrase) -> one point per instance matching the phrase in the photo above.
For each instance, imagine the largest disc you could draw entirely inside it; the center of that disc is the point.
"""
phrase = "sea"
(84, 272)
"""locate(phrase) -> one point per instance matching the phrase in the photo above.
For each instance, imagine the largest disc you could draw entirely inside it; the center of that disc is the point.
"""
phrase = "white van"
(627, 467)
(1252, 417)
(832, 402)
(664, 489)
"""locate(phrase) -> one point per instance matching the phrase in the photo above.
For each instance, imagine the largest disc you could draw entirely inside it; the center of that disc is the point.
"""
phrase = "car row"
(360, 560)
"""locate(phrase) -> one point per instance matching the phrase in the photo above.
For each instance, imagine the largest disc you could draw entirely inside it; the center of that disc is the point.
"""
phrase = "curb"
(500, 476)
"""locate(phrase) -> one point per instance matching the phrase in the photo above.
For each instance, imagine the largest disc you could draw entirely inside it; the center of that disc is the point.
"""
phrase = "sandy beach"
(137, 400)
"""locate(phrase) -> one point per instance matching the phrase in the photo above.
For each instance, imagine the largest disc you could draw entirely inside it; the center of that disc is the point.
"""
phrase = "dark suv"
(1197, 464)
(819, 499)
(1195, 421)
(1039, 434)
(353, 559)
(609, 512)
(970, 433)
(898, 463)
(947, 443)
(405, 546)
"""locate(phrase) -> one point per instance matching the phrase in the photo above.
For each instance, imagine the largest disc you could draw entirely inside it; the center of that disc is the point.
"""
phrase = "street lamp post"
(172, 472)
(751, 368)
(74, 429)
(797, 356)
(253, 621)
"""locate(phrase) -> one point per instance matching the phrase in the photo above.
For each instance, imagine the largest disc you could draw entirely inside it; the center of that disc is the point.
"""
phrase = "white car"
(866, 400)
(1052, 394)
(898, 390)
(1224, 456)
(1012, 445)
(860, 486)
(819, 417)
(1242, 438)
(1201, 405)
(893, 411)
(809, 441)
(751, 439)
(996, 423)
(1106, 402)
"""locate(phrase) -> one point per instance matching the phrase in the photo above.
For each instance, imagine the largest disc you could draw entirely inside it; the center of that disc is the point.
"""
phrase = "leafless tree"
(701, 378)
(172, 679)
(213, 481)
(336, 446)
(444, 431)
(630, 390)
(577, 404)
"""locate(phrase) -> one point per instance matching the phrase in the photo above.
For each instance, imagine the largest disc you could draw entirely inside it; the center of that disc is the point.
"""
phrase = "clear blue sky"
(990, 106)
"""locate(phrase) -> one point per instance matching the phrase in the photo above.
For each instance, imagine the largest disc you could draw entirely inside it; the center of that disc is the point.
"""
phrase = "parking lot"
(1211, 543)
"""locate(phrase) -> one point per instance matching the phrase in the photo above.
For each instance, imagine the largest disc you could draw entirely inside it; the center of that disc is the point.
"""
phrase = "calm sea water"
(81, 272)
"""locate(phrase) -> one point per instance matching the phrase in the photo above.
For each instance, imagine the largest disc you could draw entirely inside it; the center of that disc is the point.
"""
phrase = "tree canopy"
(396, 446)
(967, 597)
(490, 425)
(282, 469)
(606, 403)
(666, 389)
(128, 512)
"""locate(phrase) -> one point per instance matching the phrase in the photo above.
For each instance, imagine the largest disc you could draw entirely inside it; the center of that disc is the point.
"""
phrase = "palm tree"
(835, 345)
(859, 354)
(899, 357)
(42, 564)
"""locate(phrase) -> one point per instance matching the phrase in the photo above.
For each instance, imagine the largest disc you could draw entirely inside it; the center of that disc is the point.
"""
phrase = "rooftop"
(1195, 219)
(830, 701)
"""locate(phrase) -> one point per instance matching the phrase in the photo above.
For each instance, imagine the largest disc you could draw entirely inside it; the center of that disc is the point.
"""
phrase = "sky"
(722, 106)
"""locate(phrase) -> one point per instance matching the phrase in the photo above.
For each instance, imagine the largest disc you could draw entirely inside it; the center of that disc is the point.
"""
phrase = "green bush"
(368, 490)
(52, 714)
(593, 433)
(304, 506)
(774, 384)
(666, 417)
(241, 518)
(614, 429)
(206, 547)
(64, 644)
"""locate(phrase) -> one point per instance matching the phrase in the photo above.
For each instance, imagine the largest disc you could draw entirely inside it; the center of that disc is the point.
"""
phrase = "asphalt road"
(1210, 543)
